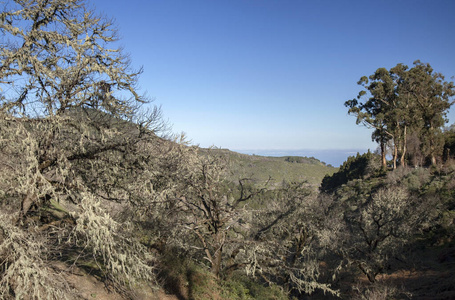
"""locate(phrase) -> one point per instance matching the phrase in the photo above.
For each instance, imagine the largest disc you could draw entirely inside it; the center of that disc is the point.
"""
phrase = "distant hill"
(285, 168)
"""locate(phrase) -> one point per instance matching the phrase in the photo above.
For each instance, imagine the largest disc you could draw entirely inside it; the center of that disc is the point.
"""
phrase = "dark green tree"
(449, 142)
(431, 98)
(377, 111)
(355, 167)
(401, 103)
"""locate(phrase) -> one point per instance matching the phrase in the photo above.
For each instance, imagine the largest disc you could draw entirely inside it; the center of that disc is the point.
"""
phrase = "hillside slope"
(279, 169)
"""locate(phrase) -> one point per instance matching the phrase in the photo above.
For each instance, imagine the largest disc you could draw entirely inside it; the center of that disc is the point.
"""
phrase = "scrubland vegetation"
(93, 184)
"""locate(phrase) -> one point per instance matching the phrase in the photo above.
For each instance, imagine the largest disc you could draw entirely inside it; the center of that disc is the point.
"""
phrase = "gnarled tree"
(71, 137)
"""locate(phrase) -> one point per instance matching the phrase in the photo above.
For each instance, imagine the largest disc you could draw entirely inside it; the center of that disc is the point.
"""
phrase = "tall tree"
(376, 111)
(403, 103)
(431, 98)
(401, 116)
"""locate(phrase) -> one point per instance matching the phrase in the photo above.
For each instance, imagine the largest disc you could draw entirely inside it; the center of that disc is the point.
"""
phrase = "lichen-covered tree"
(372, 224)
(242, 227)
(286, 244)
(74, 149)
(211, 210)
(58, 55)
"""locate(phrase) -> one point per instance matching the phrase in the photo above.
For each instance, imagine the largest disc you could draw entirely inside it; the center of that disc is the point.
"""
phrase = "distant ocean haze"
(334, 157)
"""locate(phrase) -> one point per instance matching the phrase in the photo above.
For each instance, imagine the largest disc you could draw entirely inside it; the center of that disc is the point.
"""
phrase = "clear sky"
(269, 74)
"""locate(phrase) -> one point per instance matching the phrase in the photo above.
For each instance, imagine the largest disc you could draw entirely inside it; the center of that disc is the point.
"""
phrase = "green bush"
(243, 287)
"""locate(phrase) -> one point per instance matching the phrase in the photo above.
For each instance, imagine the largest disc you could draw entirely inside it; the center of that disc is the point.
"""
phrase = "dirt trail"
(87, 287)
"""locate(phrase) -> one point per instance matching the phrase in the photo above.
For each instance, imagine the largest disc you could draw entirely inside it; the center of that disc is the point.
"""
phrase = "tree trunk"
(403, 153)
(395, 155)
(432, 146)
(371, 276)
(384, 161)
(216, 263)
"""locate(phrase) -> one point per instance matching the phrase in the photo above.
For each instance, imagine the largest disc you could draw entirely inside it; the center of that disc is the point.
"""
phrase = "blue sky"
(274, 75)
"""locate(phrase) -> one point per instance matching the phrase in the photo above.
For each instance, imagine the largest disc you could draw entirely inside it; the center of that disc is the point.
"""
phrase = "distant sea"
(333, 157)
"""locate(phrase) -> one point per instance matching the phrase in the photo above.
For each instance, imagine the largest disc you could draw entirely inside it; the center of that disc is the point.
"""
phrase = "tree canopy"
(58, 55)
(405, 105)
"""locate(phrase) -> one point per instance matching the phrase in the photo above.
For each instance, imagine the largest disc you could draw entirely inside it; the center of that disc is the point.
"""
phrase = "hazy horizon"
(334, 157)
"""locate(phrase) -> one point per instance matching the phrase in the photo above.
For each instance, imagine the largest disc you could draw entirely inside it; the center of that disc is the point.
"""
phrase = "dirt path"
(87, 287)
